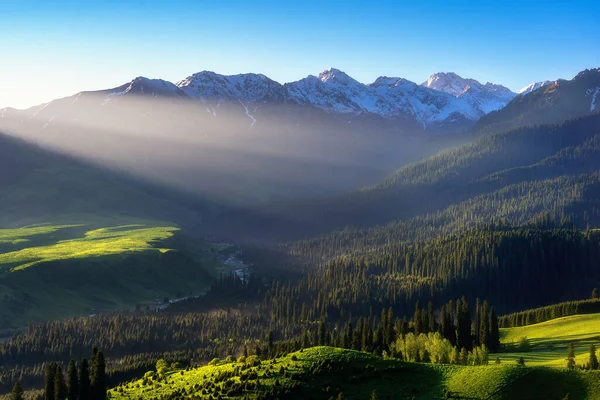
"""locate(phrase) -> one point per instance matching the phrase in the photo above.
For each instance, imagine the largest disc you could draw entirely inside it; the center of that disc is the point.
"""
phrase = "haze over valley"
(245, 234)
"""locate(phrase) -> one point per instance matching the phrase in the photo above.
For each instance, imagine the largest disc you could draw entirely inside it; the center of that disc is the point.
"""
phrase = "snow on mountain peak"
(336, 76)
(533, 86)
(484, 98)
(250, 87)
(390, 81)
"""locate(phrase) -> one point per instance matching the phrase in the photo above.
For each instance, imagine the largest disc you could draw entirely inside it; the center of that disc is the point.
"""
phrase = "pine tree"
(494, 332)
(430, 317)
(49, 382)
(463, 317)
(484, 325)
(322, 333)
(84, 380)
(571, 356)
(593, 357)
(60, 386)
(72, 381)
(17, 392)
(98, 377)
(417, 320)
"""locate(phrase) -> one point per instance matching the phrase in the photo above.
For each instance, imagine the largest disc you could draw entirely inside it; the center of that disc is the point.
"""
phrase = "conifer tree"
(595, 294)
(484, 325)
(60, 386)
(464, 339)
(49, 382)
(17, 392)
(322, 333)
(84, 380)
(72, 381)
(430, 317)
(417, 320)
(494, 332)
(98, 377)
(570, 356)
(593, 357)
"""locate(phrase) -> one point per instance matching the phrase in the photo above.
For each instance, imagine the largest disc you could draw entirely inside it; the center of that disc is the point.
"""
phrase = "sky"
(52, 49)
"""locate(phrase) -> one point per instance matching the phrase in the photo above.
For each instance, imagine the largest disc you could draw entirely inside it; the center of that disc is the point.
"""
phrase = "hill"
(545, 344)
(74, 238)
(52, 272)
(39, 186)
(325, 372)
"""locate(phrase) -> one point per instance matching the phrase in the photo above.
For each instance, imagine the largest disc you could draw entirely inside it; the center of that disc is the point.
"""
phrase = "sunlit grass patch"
(94, 243)
(548, 341)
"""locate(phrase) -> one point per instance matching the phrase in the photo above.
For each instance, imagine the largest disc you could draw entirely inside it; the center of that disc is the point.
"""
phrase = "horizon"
(66, 48)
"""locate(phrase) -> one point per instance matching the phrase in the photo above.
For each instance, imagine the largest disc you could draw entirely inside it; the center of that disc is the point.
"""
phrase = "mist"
(247, 154)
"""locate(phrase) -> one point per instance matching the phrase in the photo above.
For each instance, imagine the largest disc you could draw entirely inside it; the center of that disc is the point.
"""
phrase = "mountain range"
(444, 100)
(247, 137)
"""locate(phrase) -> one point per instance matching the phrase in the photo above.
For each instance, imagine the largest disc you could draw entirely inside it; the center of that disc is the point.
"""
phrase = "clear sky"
(50, 49)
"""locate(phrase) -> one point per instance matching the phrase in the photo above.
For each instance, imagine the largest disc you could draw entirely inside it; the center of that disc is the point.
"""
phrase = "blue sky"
(50, 49)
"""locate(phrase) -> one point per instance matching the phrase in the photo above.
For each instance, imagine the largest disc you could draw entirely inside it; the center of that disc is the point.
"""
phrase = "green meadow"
(325, 372)
(55, 271)
(94, 243)
(546, 343)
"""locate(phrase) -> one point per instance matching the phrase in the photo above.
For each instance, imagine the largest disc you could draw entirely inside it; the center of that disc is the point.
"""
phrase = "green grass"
(549, 340)
(324, 372)
(56, 271)
(94, 243)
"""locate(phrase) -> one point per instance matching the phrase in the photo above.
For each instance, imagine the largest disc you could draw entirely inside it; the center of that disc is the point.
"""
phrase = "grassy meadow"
(56, 271)
(324, 372)
(548, 340)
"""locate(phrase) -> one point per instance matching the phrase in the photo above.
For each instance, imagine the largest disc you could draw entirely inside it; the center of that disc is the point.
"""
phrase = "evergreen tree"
(430, 317)
(17, 392)
(571, 356)
(98, 377)
(417, 319)
(494, 332)
(593, 357)
(72, 381)
(595, 294)
(322, 333)
(49, 382)
(484, 325)
(84, 380)
(464, 339)
(60, 386)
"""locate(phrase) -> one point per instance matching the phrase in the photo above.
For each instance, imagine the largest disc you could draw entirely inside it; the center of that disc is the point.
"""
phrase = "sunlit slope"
(548, 340)
(325, 372)
(95, 243)
(49, 272)
(39, 186)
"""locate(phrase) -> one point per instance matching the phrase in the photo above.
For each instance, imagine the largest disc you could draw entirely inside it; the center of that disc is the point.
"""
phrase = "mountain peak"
(335, 75)
(389, 81)
(533, 86)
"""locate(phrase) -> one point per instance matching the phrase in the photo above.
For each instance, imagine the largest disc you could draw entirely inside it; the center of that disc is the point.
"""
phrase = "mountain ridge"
(332, 91)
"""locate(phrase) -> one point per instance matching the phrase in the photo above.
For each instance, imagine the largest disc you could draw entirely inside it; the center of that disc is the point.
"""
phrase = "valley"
(194, 205)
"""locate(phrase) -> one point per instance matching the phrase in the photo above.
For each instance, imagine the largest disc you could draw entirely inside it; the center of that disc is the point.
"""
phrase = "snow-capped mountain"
(556, 102)
(484, 98)
(445, 102)
(533, 86)
(335, 91)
